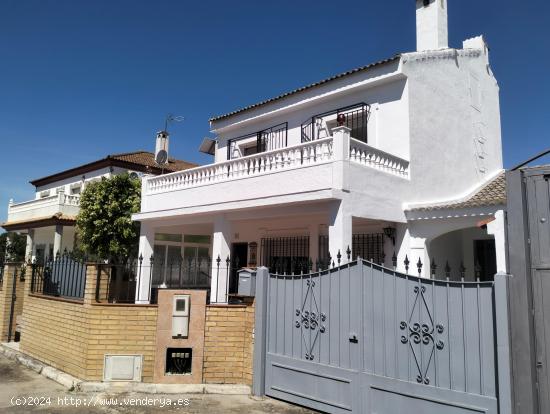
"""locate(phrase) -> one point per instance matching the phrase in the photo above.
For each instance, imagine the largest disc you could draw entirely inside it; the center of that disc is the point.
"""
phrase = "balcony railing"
(269, 139)
(47, 206)
(297, 156)
(364, 154)
(355, 117)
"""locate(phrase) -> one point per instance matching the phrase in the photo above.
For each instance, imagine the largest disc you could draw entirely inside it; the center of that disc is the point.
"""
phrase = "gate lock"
(353, 338)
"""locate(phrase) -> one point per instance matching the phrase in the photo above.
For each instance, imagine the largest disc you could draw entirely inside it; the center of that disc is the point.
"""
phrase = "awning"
(57, 219)
(208, 146)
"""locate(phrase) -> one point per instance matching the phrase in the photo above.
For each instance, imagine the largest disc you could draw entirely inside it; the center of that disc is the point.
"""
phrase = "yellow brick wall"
(75, 337)
(228, 343)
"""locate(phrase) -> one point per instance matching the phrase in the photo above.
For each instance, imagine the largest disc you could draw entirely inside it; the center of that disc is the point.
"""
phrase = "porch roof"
(490, 193)
(36, 222)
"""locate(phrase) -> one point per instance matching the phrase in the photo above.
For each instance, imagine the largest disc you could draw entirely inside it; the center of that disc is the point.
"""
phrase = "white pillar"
(314, 245)
(340, 165)
(339, 231)
(144, 271)
(30, 246)
(417, 250)
(220, 248)
(57, 239)
(497, 228)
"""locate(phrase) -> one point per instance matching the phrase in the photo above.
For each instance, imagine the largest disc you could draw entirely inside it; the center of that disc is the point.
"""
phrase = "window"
(75, 190)
(168, 237)
(196, 238)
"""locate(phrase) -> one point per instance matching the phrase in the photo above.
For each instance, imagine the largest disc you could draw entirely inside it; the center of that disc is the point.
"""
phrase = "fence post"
(260, 330)
(503, 343)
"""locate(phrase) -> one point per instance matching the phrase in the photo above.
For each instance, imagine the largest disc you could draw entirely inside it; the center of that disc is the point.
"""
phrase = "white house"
(49, 219)
(402, 156)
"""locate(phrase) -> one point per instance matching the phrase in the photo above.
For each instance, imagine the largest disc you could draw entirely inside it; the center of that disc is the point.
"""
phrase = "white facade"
(432, 136)
(55, 202)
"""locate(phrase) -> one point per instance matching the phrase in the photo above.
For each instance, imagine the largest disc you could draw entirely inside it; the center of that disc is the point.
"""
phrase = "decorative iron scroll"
(423, 334)
(310, 319)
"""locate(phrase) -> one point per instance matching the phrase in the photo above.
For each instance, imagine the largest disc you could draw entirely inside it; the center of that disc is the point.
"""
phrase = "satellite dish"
(134, 175)
(161, 157)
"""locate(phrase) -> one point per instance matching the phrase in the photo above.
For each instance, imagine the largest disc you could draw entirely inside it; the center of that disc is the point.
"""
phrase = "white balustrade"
(364, 154)
(298, 156)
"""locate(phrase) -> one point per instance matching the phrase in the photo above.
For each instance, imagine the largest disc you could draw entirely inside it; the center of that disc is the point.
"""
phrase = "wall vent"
(122, 368)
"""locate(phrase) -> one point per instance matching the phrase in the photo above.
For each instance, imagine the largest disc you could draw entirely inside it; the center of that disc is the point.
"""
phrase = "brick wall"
(75, 336)
(228, 343)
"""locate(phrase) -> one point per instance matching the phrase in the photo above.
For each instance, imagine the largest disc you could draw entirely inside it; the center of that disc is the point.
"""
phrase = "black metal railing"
(268, 139)
(286, 254)
(369, 246)
(119, 282)
(63, 276)
(355, 117)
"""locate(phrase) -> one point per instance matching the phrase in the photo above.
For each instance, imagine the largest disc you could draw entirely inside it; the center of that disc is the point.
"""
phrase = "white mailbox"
(180, 316)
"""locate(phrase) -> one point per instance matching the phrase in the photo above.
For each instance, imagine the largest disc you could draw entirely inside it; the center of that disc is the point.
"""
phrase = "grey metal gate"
(528, 210)
(364, 339)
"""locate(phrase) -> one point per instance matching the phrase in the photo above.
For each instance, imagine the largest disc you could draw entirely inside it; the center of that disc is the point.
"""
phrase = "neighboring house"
(49, 220)
(400, 157)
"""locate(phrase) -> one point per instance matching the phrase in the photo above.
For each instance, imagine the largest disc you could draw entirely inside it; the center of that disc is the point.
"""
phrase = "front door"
(239, 259)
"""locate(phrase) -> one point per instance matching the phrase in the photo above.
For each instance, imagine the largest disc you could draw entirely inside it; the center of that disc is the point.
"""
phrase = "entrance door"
(239, 259)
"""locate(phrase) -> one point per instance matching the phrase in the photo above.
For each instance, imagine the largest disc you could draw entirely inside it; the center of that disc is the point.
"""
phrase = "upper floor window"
(355, 117)
(268, 139)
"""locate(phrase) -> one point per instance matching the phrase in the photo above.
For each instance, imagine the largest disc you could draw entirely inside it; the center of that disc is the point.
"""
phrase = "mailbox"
(180, 316)
(247, 282)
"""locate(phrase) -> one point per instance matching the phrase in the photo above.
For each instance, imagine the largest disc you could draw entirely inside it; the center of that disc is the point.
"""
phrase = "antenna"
(172, 118)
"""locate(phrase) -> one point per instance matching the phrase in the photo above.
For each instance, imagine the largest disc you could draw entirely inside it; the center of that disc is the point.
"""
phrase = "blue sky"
(83, 79)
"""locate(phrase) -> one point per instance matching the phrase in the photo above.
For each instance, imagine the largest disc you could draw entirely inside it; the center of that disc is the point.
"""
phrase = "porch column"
(57, 239)
(30, 245)
(220, 248)
(314, 244)
(339, 231)
(146, 245)
(497, 229)
(417, 249)
(340, 166)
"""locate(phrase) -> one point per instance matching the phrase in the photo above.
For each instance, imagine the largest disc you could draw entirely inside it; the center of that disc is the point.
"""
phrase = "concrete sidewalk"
(17, 384)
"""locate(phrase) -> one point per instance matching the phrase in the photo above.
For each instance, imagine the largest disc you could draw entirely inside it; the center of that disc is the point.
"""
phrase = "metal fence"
(267, 139)
(355, 117)
(63, 276)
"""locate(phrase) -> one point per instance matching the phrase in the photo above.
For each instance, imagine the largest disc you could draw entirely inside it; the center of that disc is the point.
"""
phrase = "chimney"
(161, 148)
(432, 30)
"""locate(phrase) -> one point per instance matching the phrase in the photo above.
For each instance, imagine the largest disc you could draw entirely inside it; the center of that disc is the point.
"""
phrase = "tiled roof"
(39, 222)
(303, 88)
(147, 159)
(136, 160)
(492, 193)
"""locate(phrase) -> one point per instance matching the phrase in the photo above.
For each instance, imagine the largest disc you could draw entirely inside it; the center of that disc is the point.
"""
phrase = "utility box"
(180, 316)
(247, 282)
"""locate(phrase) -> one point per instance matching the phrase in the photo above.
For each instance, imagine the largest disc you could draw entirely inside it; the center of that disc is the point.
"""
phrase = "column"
(340, 166)
(339, 231)
(30, 246)
(220, 248)
(57, 239)
(498, 230)
(145, 271)
(314, 245)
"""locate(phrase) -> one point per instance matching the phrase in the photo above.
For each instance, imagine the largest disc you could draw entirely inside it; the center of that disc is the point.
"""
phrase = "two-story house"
(397, 161)
(49, 219)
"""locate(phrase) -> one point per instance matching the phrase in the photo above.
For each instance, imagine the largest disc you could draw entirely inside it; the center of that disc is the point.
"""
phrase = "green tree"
(104, 225)
(15, 249)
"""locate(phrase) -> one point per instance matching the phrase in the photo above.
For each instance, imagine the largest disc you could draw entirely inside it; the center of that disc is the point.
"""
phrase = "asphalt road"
(24, 391)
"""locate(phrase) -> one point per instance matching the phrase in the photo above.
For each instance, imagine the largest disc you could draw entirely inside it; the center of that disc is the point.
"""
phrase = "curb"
(74, 384)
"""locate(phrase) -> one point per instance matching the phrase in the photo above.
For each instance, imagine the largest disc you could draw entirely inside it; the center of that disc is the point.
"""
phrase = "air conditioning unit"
(122, 368)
